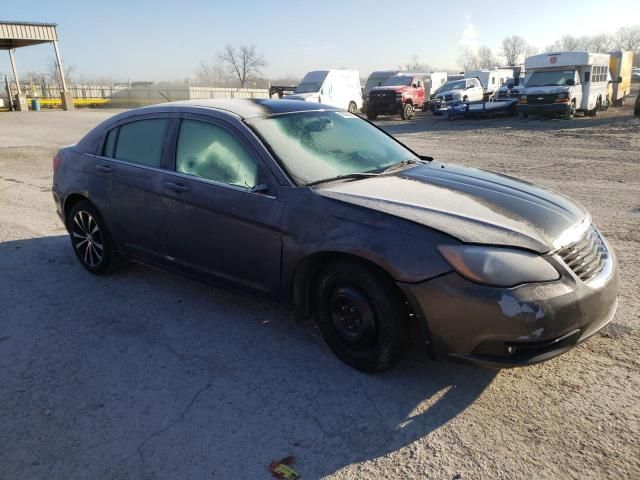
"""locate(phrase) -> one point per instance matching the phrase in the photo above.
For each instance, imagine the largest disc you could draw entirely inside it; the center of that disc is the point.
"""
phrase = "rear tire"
(407, 111)
(361, 315)
(90, 239)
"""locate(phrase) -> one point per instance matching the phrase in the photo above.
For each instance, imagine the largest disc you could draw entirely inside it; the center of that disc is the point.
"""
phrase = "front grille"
(587, 256)
(448, 98)
(542, 99)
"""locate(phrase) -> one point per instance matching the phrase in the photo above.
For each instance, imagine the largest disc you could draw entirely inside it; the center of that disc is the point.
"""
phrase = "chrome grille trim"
(587, 256)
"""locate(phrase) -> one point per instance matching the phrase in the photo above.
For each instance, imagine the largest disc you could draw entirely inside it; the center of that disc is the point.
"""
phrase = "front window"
(314, 146)
(554, 78)
(457, 85)
(309, 87)
(397, 81)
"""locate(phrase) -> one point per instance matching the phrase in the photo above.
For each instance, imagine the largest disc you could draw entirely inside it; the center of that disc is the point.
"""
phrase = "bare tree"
(602, 43)
(485, 57)
(468, 60)
(54, 73)
(414, 65)
(530, 50)
(513, 48)
(628, 38)
(211, 74)
(243, 62)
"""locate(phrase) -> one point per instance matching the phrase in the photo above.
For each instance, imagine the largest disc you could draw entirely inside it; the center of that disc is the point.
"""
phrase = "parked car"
(311, 205)
(399, 94)
(563, 83)
(338, 88)
(459, 91)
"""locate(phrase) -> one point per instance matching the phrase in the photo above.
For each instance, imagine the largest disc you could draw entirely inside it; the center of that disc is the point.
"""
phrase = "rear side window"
(208, 151)
(141, 142)
(110, 143)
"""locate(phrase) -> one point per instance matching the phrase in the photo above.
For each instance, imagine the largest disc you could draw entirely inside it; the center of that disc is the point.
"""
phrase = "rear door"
(132, 159)
(217, 222)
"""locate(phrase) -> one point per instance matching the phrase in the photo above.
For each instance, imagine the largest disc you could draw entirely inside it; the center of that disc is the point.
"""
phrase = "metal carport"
(23, 34)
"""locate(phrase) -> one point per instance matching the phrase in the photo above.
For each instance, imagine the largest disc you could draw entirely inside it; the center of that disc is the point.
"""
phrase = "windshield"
(313, 146)
(309, 87)
(397, 80)
(373, 81)
(550, 78)
(457, 85)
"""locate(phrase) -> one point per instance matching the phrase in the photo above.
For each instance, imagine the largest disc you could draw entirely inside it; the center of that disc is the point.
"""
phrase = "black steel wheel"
(90, 238)
(361, 316)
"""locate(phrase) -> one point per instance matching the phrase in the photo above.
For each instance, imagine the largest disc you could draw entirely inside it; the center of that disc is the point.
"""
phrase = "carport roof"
(23, 34)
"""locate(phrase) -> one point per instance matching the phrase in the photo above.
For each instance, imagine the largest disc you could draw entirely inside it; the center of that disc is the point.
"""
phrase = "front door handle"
(104, 168)
(176, 187)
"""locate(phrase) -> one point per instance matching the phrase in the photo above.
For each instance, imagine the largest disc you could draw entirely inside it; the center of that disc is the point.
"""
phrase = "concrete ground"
(146, 374)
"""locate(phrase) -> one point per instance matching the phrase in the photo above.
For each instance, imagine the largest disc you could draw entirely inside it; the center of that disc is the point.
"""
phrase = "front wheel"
(407, 111)
(570, 112)
(371, 115)
(90, 239)
(361, 316)
(353, 108)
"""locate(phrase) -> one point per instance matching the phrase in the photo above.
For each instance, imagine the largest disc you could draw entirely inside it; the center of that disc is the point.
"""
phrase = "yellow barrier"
(77, 102)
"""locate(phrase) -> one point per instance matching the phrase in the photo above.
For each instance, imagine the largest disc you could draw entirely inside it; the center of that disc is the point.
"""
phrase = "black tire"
(90, 239)
(594, 111)
(353, 108)
(465, 99)
(570, 113)
(425, 107)
(361, 315)
(371, 115)
(407, 111)
(525, 115)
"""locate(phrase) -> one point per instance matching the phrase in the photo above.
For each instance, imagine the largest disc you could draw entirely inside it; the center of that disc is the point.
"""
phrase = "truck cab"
(399, 94)
(563, 83)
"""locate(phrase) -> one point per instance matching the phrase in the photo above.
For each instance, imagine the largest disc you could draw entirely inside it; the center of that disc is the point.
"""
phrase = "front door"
(216, 222)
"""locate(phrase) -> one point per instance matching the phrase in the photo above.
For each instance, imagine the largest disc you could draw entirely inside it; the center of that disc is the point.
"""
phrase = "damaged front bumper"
(507, 327)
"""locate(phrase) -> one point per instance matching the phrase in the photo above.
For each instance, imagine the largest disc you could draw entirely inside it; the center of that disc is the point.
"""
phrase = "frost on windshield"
(317, 145)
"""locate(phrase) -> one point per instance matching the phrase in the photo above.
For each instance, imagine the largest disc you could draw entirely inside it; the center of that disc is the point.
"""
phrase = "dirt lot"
(146, 374)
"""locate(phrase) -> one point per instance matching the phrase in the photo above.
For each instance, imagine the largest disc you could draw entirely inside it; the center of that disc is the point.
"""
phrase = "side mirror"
(260, 188)
(570, 82)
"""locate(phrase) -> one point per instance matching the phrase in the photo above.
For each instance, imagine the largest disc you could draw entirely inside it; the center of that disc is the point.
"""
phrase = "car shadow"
(148, 374)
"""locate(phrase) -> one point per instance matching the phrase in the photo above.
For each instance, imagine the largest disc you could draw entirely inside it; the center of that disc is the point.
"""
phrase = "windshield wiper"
(402, 164)
(343, 177)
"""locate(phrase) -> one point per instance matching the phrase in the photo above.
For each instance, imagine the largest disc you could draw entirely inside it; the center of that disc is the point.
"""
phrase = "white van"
(338, 88)
(563, 83)
(491, 80)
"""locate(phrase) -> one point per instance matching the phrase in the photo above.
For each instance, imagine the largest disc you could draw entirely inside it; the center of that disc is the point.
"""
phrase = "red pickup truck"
(400, 94)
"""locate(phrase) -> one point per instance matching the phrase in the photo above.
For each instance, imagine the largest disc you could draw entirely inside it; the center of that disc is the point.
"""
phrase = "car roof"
(245, 107)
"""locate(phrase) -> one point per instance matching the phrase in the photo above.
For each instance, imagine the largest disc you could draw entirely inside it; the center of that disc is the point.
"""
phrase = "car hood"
(393, 88)
(545, 90)
(473, 205)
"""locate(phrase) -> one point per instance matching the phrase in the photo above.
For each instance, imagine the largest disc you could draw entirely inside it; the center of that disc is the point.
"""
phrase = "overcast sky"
(151, 40)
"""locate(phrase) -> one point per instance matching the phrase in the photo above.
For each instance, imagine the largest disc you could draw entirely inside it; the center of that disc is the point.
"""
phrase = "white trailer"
(563, 83)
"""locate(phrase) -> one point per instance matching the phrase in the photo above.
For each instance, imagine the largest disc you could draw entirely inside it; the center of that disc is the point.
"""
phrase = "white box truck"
(563, 83)
(338, 88)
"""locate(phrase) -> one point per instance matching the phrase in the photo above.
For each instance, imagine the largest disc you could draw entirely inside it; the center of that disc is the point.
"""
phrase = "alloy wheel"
(87, 238)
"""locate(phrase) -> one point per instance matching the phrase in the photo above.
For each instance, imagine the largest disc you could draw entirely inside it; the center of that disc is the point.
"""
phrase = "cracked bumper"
(506, 327)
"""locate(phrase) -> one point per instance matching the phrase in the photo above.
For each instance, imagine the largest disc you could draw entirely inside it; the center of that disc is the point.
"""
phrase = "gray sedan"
(315, 207)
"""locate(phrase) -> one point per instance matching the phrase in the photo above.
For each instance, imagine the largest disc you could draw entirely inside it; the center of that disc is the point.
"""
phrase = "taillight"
(57, 160)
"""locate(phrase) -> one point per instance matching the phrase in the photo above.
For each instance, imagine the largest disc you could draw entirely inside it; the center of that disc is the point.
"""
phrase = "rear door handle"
(176, 187)
(104, 168)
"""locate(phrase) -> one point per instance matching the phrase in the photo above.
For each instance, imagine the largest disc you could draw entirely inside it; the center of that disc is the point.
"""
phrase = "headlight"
(499, 267)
